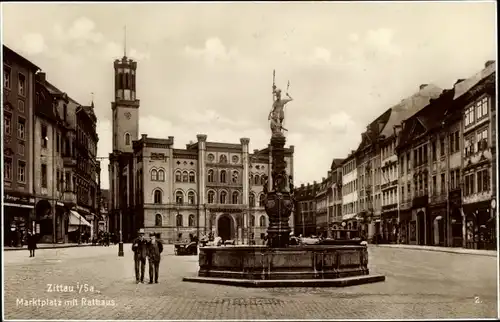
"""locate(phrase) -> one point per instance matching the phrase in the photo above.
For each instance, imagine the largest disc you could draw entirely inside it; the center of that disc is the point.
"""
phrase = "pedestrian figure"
(140, 249)
(155, 248)
(31, 244)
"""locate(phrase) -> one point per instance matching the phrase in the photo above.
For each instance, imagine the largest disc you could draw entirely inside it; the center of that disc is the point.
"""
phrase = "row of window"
(179, 221)
(8, 169)
(476, 142)
(480, 107)
(7, 81)
(480, 184)
(223, 196)
(8, 126)
(350, 187)
(222, 158)
(223, 176)
(350, 166)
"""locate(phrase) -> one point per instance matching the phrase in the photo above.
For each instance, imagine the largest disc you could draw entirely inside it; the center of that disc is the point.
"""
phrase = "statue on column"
(277, 114)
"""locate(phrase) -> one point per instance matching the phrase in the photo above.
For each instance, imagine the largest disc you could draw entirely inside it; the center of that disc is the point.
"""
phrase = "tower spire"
(125, 41)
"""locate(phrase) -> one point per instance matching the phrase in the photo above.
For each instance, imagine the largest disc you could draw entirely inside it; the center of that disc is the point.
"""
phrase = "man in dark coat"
(31, 244)
(140, 249)
(155, 248)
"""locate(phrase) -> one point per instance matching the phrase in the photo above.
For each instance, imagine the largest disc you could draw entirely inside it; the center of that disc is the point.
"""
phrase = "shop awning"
(348, 217)
(75, 219)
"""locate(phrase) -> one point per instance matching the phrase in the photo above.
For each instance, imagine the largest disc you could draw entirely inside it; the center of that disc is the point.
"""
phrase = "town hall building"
(208, 187)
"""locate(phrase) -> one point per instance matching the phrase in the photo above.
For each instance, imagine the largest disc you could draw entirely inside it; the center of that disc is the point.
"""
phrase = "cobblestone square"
(94, 283)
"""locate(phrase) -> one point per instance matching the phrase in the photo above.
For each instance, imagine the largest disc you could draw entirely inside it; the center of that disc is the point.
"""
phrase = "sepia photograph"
(282, 160)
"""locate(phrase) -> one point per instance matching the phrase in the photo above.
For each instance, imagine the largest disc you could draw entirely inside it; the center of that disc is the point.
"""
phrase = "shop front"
(456, 224)
(389, 223)
(438, 224)
(480, 225)
(18, 219)
(78, 227)
(404, 227)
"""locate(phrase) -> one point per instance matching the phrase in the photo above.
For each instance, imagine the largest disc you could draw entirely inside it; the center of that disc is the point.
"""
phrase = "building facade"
(18, 109)
(476, 96)
(335, 198)
(45, 154)
(350, 203)
(305, 209)
(87, 167)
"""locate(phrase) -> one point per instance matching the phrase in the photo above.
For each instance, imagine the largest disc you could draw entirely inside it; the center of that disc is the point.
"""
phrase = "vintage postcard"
(249, 161)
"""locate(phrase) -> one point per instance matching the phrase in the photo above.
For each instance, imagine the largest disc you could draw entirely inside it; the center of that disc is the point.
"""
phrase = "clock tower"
(125, 108)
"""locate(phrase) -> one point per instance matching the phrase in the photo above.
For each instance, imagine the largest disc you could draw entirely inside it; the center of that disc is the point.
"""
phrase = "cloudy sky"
(207, 68)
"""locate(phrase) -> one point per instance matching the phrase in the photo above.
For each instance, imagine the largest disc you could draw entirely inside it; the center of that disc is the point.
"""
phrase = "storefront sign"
(20, 200)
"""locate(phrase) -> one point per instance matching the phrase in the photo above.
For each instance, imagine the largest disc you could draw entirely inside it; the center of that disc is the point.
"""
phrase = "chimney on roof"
(41, 77)
(314, 182)
(323, 179)
(302, 185)
(488, 63)
(423, 86)
(255, 151)
(144, 137)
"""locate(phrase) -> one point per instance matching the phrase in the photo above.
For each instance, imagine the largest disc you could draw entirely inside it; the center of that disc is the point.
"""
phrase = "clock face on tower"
(128, 115)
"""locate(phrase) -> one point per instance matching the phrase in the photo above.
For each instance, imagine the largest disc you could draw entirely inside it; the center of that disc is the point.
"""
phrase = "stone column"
(269, 168)
(202, 139)
(246, 189)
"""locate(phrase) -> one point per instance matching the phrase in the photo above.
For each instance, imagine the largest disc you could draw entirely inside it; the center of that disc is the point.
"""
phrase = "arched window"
(236, 197)
(263, 179)
(262, 198)
(211, 197)
(178, 176)
(223, 176)
(256, 179)
(262, 221)
(179, 198)
(223, 196)
(252, 221)
(154, 175)
(158, 220)
(161, 175)
(191, 176)
(191, 197)
(251, 200)
(235, 176)
(178, 220)
(127, 139)
(223, 159)
(185, 176)
(211, 175)
(250, 178)
(157, 197)
(191, 222)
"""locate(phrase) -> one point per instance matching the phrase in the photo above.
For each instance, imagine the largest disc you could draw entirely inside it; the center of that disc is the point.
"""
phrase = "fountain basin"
(262, 266)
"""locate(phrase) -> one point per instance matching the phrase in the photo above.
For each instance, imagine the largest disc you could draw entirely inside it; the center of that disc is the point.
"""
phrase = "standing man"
(140, 249)
(155, 248)
(31, 243)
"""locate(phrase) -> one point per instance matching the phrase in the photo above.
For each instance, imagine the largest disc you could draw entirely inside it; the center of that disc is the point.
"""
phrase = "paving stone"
(419, 284)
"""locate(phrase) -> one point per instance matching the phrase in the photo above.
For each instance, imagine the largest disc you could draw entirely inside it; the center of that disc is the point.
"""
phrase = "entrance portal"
(224, 227)
(421, 228)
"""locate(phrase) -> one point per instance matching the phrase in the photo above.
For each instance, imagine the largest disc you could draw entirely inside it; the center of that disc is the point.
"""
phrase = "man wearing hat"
(140, 249)
(155, 248)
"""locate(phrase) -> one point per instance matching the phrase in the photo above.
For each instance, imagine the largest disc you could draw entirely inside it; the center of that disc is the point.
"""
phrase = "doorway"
(421, 228)
(224, 227)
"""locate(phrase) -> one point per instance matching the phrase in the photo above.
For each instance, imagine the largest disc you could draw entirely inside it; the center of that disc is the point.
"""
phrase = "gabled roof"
(427, 119)
(463, 87)
(410, 106)
(7, 51)
(336, 163)
(373, 130)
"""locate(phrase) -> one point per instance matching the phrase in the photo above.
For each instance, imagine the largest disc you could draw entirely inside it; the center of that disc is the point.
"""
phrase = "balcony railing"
(69, 161)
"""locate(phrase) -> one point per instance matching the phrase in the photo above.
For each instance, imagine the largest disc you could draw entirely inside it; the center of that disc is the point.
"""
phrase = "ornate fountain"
(277, 264)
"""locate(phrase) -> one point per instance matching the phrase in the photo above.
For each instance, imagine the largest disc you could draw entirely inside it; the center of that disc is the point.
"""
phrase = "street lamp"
(120, 244)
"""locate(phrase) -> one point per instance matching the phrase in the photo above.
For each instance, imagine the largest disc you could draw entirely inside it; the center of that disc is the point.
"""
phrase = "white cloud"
(83, 29)
(382, 40)
(213, 51)
(354, 37)
(322, 55)
(32, 43)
